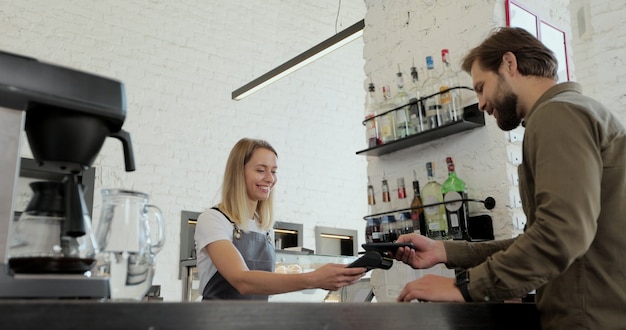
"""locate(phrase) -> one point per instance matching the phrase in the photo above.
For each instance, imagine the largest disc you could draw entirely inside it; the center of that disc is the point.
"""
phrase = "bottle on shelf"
(387, 121)
(372, 229)
(417, 116)
(369, 230)
(457, 213)
(387, 221)
(386, 206)
(405, 224)
(450, 100)
(387, 228)
(467, 97)
(371, 197)
(417, 211)
(377, 235)
(401, 194)
(372, 134)
(436, 223)
(434, 110)
(401, 99)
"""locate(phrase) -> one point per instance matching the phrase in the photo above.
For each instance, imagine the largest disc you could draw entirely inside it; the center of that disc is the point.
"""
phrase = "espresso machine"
(67, 115)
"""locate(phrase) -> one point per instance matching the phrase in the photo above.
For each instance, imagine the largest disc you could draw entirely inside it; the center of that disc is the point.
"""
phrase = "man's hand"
(431, 288)
(427, 252)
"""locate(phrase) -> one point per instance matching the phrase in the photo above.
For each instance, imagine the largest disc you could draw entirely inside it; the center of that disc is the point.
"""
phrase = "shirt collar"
(552, 92)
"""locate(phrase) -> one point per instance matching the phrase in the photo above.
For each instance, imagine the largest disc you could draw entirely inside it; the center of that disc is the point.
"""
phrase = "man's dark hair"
(533, 57)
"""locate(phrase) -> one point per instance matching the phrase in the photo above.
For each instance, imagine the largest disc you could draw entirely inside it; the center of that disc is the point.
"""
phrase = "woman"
(235, 240)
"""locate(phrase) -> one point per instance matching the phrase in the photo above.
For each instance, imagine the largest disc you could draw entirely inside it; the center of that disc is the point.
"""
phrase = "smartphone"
(371, 260)
(386, 247)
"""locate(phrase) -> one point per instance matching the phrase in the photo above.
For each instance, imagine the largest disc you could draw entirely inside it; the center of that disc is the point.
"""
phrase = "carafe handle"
(127, 145)
(154, 212)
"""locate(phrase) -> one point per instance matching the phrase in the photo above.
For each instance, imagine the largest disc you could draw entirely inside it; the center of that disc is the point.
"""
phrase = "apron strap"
(236, 230)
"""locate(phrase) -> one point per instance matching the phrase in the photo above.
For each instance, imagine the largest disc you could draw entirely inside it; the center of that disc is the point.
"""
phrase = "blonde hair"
(234, 194)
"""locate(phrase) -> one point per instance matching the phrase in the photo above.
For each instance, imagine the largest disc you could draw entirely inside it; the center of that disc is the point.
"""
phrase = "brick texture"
(401, 33)
(179, 61)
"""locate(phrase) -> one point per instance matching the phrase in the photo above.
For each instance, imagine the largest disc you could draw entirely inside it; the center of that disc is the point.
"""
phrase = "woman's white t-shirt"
(213, 226)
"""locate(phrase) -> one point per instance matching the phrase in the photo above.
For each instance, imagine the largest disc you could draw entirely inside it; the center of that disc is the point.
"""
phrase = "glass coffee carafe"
(130, 233)
(45, 240)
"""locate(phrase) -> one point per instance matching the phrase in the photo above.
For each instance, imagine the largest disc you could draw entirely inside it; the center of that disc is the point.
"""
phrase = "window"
(552, 37)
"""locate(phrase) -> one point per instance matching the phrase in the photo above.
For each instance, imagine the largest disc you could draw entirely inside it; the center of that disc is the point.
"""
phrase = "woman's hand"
(335, 276)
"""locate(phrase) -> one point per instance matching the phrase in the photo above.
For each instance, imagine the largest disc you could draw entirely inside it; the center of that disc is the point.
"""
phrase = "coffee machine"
(67, 115)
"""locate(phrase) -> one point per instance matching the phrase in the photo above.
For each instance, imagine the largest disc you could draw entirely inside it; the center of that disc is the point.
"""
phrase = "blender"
(67, 115)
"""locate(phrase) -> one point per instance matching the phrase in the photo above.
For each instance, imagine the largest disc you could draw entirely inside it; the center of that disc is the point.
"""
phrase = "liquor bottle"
(387, 228)
(401, 201)
(388, 221)
(371, 195)
(436, 224)
(417, 117)
(450, 100)
(372, 229)
(434, 113)
(457, 213)
(377, 235)
(387, 121)
(369, 230)
(403, 218)
(401, 99)
(372, 135)
(417, 212)
(386, 207)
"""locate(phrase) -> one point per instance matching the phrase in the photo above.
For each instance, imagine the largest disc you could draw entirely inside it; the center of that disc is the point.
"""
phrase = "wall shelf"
(472, 118)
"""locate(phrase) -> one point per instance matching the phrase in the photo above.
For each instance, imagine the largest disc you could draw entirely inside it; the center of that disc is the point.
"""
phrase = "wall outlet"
(515, 201)
(512, 174)
(519, 220)
(516, 136)
(515, 154)
(514, 178)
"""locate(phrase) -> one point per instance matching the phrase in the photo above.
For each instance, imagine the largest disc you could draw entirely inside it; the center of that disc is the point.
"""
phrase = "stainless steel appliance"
(67, 115)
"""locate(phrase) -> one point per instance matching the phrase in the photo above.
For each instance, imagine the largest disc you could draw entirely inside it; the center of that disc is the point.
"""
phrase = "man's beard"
(506, 106)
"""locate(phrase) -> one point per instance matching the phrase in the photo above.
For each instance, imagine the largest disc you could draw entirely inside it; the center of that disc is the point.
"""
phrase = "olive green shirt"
(573, 191)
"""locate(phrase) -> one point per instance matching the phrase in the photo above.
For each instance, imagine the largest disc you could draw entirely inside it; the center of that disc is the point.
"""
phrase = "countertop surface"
(80, 314)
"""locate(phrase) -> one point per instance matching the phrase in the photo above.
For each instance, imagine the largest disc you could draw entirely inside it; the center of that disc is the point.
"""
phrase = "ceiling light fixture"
(323, 48)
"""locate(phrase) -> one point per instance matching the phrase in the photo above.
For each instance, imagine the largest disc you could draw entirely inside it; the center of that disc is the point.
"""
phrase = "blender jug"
(128, 225)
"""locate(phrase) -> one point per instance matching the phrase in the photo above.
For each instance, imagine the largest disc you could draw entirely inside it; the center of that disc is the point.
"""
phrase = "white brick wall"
(179, 61)
(402, 32)
(480, 154)
(599, 55)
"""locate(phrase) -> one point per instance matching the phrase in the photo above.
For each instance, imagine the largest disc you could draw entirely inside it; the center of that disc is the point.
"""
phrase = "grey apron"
(258, 253)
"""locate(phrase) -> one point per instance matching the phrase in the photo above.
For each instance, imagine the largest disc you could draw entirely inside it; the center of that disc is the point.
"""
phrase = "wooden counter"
(74, 314)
